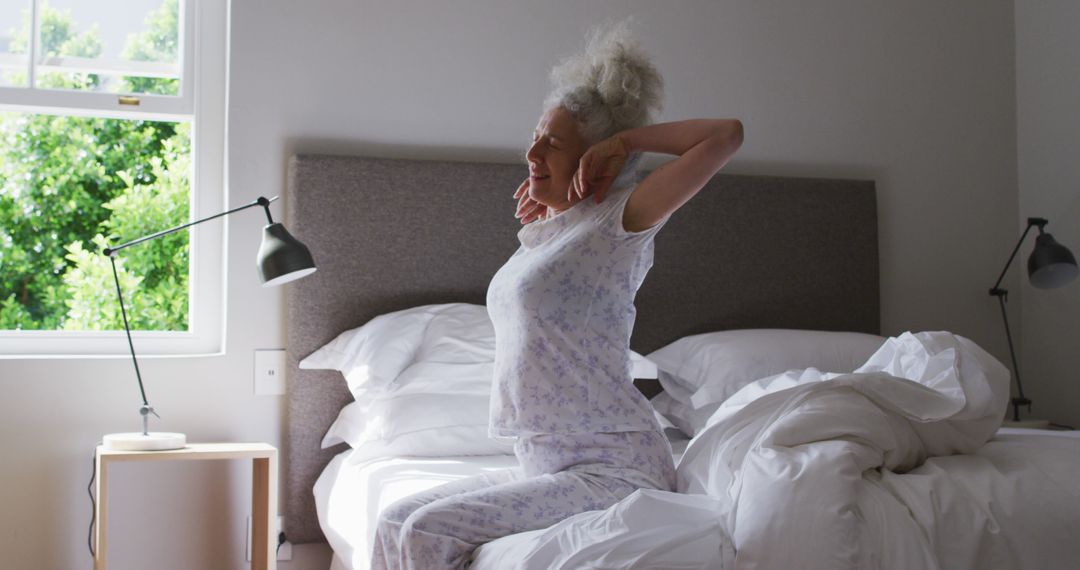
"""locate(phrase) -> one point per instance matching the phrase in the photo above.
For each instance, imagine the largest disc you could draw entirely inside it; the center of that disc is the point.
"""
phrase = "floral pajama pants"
(559, 476)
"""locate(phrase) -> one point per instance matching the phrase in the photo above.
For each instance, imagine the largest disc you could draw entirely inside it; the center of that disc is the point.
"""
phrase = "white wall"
(1048, 129)
(918, 95)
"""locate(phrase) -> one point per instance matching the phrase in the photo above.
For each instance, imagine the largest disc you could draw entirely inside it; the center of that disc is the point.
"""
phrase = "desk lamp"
(282, 258)
(1051, 265)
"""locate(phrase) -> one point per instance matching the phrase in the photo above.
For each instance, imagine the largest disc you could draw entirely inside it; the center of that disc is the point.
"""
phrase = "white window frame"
(202, 102)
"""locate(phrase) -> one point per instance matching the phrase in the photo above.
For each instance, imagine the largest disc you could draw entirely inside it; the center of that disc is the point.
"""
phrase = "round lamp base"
(1030, 424)
(154, 441)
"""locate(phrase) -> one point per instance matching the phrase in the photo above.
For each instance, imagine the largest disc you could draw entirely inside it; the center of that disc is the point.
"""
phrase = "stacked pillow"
(699, 372)
(421, 381)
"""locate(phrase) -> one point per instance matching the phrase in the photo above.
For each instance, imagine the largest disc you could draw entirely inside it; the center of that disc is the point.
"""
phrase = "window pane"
(69, 186)
(14, 33)
(109, 46)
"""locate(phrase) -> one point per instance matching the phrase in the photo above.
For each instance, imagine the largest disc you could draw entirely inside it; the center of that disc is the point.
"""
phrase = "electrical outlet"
(284, 552)
(269, 372)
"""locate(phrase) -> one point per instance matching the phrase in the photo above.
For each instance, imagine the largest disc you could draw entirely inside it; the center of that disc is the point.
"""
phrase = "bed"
(750, 252)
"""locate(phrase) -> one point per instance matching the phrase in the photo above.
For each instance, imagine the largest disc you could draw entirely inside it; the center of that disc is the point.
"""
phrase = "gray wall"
(1048, 129)
(918, 95)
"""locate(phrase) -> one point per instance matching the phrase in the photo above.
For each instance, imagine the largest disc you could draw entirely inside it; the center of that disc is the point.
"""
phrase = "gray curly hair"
(610, 87)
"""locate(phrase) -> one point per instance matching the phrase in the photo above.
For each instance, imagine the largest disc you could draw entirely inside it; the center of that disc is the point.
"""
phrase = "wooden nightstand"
(263, 491)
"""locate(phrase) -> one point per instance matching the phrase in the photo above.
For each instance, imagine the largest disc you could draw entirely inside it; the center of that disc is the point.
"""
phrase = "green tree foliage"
(71, 185)
(160, 42)
(58, 38)
(155, 271)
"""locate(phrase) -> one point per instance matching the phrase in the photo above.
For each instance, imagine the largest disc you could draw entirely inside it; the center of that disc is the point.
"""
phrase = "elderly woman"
(563, 310)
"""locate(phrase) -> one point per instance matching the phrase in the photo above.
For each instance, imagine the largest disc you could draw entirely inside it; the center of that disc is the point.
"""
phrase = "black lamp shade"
(282, 258)
(1051, 264)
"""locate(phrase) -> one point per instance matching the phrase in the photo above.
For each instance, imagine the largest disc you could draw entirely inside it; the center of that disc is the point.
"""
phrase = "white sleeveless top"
(563, 310)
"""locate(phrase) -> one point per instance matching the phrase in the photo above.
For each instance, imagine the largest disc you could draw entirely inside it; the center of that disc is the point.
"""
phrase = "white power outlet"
(284, 552)
(269, 372)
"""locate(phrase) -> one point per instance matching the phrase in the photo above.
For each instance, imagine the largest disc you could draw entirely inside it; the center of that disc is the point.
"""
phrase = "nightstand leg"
(263, 508)
(101, 511)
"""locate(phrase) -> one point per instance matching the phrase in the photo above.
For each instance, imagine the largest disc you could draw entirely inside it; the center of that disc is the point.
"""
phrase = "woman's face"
(553, 158)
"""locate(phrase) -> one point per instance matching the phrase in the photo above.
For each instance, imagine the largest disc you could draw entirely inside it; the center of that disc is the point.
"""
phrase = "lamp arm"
(127, 329)
(261, 201)
(1001, 294)
(1021, 400)
(1011, 257)
(1040, 222)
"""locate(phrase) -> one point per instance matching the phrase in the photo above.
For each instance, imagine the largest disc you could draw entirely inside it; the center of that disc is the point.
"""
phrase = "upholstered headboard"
(746, 252)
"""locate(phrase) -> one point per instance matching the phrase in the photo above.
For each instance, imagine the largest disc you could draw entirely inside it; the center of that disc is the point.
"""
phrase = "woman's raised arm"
(703, 147)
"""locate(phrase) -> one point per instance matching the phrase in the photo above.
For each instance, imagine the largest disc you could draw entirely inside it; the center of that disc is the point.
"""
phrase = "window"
(111, 128)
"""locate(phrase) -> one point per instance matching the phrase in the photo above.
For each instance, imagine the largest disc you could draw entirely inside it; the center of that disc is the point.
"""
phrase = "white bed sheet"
(349, 495)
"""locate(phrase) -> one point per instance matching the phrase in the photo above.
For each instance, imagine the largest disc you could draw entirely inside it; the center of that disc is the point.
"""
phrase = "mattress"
(349, 495)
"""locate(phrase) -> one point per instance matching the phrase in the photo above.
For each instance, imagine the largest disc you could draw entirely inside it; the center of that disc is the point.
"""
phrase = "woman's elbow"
(734, 133)
(728, 138)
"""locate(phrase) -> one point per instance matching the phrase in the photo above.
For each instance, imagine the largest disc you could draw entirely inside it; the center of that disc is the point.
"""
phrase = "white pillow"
(701, 371)
(372, 356)
(430, 409)
(372, 436)
(682, 416)
(431, 396)
(458, 332)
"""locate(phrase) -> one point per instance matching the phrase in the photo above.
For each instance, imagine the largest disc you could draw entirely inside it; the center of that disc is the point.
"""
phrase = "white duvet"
(874, 469)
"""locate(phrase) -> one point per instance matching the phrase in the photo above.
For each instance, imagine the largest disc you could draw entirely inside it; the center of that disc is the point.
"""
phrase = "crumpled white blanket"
(788, 473)
(790, 454)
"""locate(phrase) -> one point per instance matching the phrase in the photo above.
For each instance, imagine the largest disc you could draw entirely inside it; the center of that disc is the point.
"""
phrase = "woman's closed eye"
(550, 143)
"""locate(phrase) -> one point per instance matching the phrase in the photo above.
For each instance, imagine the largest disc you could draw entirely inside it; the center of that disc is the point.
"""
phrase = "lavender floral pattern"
(563, 310)
(559, 476)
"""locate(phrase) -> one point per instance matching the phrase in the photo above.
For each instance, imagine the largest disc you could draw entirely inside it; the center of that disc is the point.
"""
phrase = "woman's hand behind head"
(598, 169)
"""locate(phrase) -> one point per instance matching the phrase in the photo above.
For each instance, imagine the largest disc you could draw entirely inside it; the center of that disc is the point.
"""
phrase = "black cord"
(93, 502)
(1062, 426)
(280, 541)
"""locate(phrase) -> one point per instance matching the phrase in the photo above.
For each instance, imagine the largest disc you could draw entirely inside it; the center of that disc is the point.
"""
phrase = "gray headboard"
(746, 252)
